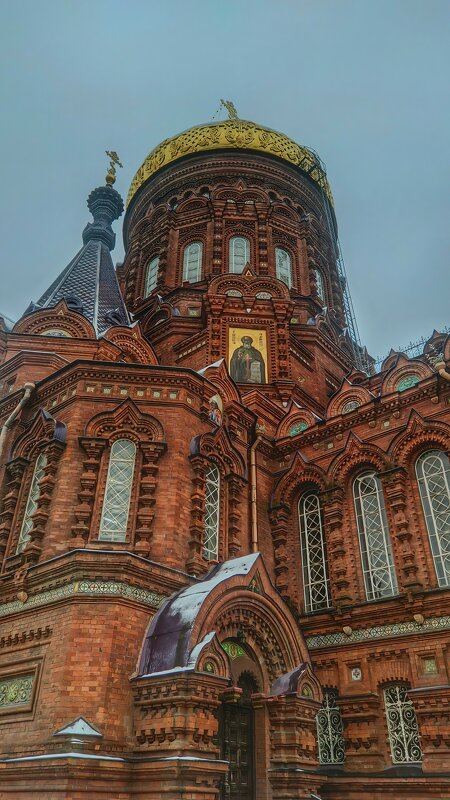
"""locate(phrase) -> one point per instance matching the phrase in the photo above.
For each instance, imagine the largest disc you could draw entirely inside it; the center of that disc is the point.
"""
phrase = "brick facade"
(84, 631)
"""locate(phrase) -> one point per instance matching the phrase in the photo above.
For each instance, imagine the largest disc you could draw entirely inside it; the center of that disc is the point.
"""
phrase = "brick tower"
(224, 537)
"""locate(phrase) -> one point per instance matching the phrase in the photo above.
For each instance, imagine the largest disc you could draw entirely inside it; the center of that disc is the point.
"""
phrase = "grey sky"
(363, 82)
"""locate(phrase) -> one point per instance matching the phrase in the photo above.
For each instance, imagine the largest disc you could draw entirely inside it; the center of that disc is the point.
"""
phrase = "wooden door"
(237, 748)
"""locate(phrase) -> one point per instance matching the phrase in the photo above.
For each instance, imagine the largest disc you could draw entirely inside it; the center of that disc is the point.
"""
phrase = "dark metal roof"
(89, 284)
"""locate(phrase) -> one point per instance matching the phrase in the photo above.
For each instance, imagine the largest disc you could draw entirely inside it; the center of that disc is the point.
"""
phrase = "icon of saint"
(247, 364)
(215, 413)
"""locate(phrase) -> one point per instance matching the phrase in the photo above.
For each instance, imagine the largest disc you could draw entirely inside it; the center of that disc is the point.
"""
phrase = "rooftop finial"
(111, 174)
(229, 106)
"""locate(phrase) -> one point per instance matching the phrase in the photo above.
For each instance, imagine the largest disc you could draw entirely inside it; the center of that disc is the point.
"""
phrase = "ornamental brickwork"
(224, 549)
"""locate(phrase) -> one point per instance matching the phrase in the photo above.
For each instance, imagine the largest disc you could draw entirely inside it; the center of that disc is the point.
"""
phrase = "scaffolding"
(361, 358)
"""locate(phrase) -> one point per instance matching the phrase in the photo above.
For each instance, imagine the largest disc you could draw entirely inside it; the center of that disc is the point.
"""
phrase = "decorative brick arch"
(402, 367)
(249, 284)
(346, 394)
(217, 445)
(147, 433)
(295, 415)
(418, 436)
(219, 376)
(301, 473)
(126, 418)
(59, 317)
(132, 344)
(357, 455)
(48, 436)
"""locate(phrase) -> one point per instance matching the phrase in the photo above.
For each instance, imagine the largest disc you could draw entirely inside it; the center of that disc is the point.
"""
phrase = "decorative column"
(13, 479)
(394, 487)
(33, 549)
(365, 746)
(262, 238)
(235, 489)
(195, 564)
(432, 707)
(333, 513)
(151, 452)
(293, 747)
(89, 479)
(176, 729)
(219, 207)
(280, 520)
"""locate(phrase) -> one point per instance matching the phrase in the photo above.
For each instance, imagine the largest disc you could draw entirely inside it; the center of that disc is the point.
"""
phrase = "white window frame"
(376, 556)
(34, 494)
(316, 584)
(151, 275)
(436, 509)
(114, 501)
(212, 513)
(237, 265)
(192, 262)
(320, 285)
(283, 263)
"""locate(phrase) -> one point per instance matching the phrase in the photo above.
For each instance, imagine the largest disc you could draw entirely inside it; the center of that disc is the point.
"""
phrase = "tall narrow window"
(192, 262)
(239, 253)
(402, 725)
(330, 738)
(320, 285)
(32, 502)
(433, 475)
(374, 540)
(212, 500)
(316, 585)
(116, 504)
(151, 276)
(283, 263)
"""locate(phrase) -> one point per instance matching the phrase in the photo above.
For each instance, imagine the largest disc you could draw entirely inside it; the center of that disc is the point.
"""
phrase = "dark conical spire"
(105, 205)
(88, 284)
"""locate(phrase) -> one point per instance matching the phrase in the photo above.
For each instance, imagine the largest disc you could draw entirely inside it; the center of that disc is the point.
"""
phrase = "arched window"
(316, 585)
(283, 263)
(402, 726)
(116, 503)
(192, 262)
(330, 731)
(32, 502)
(433, 475)
(212, 501)
(374, 540)
(320, 285)
(151, 276)
(239, 253)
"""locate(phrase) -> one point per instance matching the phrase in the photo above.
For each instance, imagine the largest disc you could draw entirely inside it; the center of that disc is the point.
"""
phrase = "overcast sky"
(363, 82)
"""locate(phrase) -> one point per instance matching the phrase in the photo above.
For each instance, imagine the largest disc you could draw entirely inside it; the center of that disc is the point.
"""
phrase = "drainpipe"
(254, 510)
(29, 387)
(440, 367)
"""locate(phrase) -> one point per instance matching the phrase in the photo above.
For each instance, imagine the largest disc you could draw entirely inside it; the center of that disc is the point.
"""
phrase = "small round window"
(56, 332)
(407, 382)
(350, 405)
(297, 427)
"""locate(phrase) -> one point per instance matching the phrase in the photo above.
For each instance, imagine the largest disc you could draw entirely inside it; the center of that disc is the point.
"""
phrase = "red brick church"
(224, 535)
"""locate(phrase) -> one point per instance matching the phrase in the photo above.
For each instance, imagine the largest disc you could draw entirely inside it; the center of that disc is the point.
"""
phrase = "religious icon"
(215, 411)
(247, 362)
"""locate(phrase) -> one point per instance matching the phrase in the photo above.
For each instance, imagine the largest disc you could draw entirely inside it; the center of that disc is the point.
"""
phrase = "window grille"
(192, 262)
(433, 475)
(116, 504)
(330, 738)
(402, 726)
(407, 382)
(151, 276)
(239, 253)
(212, 500)
(374, 540)
(32, 502)
(320, 285)
(284, 266)
(316, 585)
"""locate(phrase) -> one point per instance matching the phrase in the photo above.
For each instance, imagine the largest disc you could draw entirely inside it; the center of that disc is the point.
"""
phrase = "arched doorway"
(237, 726)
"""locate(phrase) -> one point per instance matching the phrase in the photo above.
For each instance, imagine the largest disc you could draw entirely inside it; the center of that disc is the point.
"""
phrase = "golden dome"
(231, 133)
